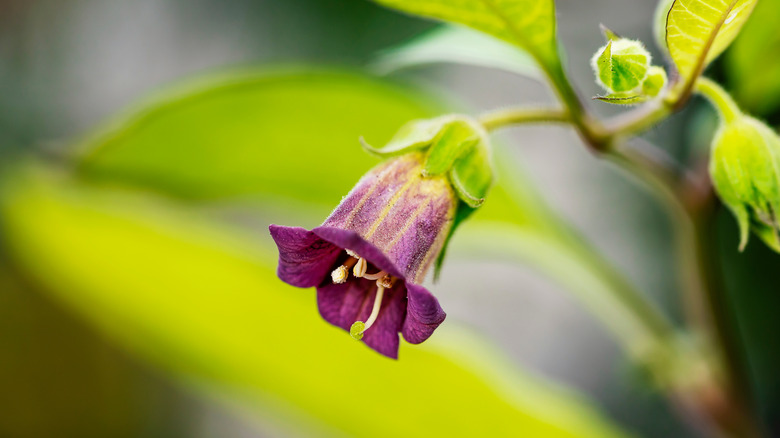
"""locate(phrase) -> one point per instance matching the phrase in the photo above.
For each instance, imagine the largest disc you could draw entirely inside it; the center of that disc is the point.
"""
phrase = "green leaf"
(460, 45)
(528, 24)
(753, 61)
(290, 134)
(205, 305)
(698, 31)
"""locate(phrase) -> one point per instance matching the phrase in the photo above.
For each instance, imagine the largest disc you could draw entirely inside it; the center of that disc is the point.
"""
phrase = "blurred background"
(68, 66)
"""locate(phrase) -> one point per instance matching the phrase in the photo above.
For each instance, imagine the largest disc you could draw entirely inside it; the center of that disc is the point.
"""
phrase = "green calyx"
(745, 170)
(455, 146)
(623, 68)
(622, 65)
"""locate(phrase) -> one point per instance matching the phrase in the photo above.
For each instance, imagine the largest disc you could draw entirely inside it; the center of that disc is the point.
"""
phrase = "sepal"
(456, 138)
(454, 145)
(415, 135)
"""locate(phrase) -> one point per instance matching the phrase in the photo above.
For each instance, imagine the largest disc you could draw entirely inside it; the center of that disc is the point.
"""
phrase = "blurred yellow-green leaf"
(698, 31)
(205, 304)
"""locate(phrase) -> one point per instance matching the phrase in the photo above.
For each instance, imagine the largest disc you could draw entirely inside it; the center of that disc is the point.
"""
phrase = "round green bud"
(622, 65)
(745, 170)
(357, 329)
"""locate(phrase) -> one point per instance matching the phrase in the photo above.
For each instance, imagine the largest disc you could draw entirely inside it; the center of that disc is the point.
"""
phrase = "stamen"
(360, 268)
(360, 327)
(380, 291)
(352, 253)
(339, 275)
(376, 276)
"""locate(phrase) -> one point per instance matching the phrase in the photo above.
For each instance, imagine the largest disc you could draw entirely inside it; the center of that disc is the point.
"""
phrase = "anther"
(339, 275)
(352, 253)
(360, 268)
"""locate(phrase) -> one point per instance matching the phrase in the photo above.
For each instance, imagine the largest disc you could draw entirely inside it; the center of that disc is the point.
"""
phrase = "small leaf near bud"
(608, 34)
(745, 170)
(621, 66)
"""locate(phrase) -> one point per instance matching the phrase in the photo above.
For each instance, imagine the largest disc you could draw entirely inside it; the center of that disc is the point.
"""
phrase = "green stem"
(514, 116)
(730, 413)
(720, 99)
(588, 127)
(716, 319)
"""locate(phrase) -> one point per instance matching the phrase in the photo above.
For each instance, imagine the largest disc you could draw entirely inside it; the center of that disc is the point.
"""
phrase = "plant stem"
(720, 99)
(515, 116)
(723, 400)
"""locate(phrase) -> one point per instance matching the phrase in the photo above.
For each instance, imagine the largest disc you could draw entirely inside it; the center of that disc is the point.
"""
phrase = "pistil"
(359, 327)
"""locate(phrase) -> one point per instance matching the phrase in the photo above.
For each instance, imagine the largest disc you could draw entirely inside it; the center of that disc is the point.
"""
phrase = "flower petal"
(343, 304)
(351, 240)
(304, 259)
(383, 335)
(423, 314)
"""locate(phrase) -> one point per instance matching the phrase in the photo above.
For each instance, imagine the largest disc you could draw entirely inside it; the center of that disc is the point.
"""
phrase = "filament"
(380, 291)
(376, 276)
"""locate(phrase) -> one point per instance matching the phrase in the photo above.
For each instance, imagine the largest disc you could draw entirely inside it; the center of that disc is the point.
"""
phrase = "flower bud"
(622, 65)
(745, 170)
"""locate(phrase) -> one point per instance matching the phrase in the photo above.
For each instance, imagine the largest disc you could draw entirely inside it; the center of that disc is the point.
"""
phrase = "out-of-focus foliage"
(457, 44)
(207, 306)
(698, 31)
(529, 24)
(201, 300)
(275, 135)
(119, 155)
(753, 62)
(60, 379)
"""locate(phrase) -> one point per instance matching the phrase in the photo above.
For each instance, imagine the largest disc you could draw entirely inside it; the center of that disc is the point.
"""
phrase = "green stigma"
(357, 329)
